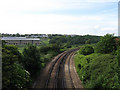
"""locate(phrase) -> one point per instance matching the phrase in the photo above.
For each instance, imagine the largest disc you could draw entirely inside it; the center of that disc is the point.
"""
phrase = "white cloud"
(51, 23)
(13, 18)
(96, 26)
(109, 29)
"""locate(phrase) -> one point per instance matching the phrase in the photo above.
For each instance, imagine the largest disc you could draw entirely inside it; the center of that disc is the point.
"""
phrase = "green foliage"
(14, 50)
(118, 55)
(107, 44)
(44, 41)
(48, 52)
(86, 50)
(73, 40)
(3, 42)
(118, 58)
(58, 40)
(31, 59)
(68, 45)
(14, 76)
(52, 47)
(88, 41)
(100, 72)
(20, 67)
(21, 48)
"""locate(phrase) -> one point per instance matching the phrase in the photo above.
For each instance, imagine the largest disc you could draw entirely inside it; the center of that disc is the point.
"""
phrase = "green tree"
(68, 45)
(107, 44)
(14, 50)
(14, 76)
(73, 40)
(86, 50)
(88, 41)
(118, 58)
(51, 47)
(31, 59)
(17, 35)
(55, 48)
(3, 43)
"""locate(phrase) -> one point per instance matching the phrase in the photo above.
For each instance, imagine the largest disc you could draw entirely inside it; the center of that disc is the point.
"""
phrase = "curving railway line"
(60, 73)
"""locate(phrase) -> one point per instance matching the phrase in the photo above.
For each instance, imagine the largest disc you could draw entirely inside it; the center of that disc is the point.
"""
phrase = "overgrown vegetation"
(31, 59)
(118, 58)
(107, 44)
(98, 70)
(101, 68)
(21, 69)
(48, 52)
(13, 73)
(86, 50)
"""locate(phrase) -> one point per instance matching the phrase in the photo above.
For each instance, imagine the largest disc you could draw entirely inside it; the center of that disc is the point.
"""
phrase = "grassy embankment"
(97, 70)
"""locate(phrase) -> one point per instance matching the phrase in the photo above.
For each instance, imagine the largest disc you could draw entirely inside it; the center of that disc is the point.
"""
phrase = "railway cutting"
(60, 73)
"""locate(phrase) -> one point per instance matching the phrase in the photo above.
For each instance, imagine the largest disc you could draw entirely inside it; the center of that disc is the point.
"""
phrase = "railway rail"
(60, 73)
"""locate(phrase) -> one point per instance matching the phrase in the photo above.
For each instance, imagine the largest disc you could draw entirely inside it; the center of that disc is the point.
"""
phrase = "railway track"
(60, 73)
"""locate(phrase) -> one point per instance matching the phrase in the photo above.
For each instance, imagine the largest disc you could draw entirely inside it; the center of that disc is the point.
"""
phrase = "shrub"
(86, 50)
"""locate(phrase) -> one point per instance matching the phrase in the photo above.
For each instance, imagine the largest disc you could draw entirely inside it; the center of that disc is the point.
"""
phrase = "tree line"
(69, 40)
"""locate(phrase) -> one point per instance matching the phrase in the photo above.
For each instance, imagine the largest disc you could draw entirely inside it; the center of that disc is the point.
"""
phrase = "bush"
(86, 50)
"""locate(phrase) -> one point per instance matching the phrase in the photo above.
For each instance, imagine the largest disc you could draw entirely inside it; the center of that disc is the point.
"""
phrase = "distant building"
(21, 40)
(42, 36)
(117, 40)
(72, 35)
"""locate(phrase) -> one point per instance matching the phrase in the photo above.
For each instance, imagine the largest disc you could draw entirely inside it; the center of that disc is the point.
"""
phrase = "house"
(21, 40)
(117, 41)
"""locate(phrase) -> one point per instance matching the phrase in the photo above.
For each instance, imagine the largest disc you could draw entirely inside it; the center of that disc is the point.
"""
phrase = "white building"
(21, 40)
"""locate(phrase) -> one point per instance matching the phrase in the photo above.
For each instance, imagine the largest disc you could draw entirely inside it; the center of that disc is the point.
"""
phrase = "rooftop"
(19, 38)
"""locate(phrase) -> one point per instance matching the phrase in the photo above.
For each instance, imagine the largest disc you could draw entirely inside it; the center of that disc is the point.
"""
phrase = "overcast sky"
(59, 17)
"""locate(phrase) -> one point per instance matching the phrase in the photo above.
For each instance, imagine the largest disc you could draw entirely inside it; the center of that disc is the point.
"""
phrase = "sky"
(79, 17)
